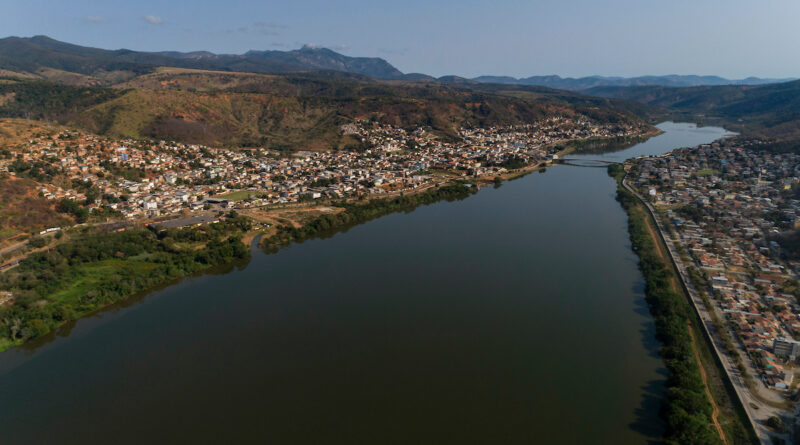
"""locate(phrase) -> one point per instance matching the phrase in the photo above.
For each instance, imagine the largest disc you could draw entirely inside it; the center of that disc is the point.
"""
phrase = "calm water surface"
(516, 315)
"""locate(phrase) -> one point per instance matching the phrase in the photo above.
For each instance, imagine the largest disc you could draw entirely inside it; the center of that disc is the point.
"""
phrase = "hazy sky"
(731, 38)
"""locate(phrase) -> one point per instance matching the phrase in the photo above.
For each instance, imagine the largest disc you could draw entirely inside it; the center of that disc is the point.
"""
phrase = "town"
(133, 180)
(730, 207)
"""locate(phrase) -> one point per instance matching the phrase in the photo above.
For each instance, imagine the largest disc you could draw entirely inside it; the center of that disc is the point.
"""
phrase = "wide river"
(514, 316)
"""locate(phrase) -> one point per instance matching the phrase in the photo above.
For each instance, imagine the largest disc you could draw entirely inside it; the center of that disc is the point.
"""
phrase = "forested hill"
(766, 111)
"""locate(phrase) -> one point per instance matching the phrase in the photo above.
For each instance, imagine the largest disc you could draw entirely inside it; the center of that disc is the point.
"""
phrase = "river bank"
(692, 407)
(94, 270)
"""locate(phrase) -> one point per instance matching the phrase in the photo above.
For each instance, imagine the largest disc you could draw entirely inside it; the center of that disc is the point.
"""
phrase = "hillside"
(767, 111)
(21, 207)
(23, 210)
(37, 99)
(281, 99)
(589, 104)
(293, 111)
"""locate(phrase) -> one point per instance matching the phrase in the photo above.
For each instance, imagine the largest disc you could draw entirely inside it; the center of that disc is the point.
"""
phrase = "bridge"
(584, 162)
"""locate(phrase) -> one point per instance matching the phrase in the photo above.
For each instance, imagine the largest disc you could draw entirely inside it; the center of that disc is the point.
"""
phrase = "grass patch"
(92, 276)
(141, 257)
(732, 417)
(236, 196)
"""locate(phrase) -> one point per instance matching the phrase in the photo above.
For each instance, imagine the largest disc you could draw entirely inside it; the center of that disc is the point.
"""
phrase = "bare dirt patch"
(295, 217)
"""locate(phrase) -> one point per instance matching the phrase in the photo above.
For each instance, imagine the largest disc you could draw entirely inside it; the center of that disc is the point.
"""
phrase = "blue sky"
(731, 38)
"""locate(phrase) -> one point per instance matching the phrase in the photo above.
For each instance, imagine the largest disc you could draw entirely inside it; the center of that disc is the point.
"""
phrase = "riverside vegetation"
(357, 213)
(686, 408)
(92, 270)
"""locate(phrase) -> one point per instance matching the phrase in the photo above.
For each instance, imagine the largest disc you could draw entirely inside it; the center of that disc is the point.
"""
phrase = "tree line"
(357, 213)
(685, 408)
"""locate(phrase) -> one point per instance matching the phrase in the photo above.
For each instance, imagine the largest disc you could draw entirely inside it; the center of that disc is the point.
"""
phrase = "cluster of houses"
(142, 179)
(729, 204)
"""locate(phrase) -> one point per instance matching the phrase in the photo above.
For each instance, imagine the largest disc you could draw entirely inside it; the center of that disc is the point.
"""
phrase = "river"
(516, 315)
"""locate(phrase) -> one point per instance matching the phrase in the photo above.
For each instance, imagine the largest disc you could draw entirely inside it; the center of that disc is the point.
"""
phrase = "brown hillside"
(305, 111)
(22, 209)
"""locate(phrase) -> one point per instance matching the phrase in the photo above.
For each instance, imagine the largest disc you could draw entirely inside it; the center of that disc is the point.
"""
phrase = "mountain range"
(585, 83)
(43, 57)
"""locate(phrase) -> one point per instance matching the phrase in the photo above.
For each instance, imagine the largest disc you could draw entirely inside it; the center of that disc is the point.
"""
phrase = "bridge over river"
(584, 162)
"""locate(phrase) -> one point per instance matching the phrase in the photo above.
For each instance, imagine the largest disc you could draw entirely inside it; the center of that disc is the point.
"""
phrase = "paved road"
(757, 416)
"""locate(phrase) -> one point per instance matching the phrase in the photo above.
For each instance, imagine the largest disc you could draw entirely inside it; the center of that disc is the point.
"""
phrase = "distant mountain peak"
(321, 58)
(32, 54)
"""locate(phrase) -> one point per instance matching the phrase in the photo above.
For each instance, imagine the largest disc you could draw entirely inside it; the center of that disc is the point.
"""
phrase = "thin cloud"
(267, 29)
(153, 19)
(94, 19)
(261, 28)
